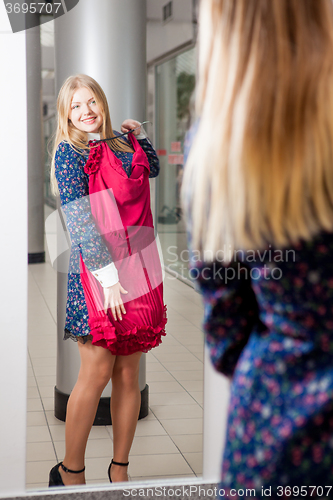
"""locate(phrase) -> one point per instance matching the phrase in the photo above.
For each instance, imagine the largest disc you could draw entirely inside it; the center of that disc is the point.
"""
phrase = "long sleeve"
(230, 311)
(147, 147)
(74, 196)
(153, 160)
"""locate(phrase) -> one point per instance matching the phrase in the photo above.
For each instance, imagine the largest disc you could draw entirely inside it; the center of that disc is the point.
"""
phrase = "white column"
(107, 41)
(13, 258)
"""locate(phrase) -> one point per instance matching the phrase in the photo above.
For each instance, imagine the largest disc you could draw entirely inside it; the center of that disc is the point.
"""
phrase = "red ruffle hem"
(140, 338)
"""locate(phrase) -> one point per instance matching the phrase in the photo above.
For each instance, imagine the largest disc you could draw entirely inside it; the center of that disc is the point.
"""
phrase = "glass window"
(175, 82)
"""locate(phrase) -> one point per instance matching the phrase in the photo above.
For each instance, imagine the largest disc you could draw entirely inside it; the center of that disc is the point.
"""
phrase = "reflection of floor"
(168, 443)
(173, 240)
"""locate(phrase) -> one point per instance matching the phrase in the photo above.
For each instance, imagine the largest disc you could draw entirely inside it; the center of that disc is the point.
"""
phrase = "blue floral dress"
(73, 186)
(268, 324)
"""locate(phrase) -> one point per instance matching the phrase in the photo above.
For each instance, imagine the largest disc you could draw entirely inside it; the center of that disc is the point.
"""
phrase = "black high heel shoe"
(115, 463)
(55, 478)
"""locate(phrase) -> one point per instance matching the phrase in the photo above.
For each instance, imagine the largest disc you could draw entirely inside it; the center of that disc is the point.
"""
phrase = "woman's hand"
(113, 300)
(129, 124)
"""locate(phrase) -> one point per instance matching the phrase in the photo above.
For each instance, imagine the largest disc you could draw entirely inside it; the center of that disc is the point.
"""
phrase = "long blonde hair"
(261, 167)
(65, 129)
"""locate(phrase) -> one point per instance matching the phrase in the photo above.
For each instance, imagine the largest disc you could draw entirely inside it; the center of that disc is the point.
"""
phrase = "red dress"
(120, 206)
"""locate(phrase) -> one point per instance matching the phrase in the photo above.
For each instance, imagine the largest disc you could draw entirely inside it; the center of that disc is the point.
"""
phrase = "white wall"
(13, 259)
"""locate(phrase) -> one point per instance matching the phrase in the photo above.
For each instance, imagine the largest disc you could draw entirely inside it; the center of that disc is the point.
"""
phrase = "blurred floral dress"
(268, 323)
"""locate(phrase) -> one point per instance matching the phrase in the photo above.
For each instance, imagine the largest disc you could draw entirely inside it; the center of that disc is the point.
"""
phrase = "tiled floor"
(168, 442)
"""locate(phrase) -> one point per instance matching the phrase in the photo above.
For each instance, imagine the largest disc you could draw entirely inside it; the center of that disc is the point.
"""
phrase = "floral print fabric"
(273, 339)
(268, 324)
(73, 186)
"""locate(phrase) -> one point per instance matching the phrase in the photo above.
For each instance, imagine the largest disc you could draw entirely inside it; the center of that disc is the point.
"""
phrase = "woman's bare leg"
(125, 408)
(95, 372)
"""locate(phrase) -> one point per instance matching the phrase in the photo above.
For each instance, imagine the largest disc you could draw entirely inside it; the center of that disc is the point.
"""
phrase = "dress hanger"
(121, 135)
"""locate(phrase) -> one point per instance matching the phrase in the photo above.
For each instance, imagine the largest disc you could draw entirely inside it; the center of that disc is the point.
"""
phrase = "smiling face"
(85, 114)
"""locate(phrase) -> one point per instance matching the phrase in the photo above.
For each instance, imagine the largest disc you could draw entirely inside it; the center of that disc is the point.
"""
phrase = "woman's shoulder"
(66, 151)
(67, 147)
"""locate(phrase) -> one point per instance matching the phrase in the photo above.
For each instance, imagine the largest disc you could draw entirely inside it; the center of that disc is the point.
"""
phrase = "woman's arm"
(74, 196)
(153, 160)
(230, 311)
(145, 143)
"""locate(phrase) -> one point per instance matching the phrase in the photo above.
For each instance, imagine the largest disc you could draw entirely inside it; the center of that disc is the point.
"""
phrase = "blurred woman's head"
(263, 157)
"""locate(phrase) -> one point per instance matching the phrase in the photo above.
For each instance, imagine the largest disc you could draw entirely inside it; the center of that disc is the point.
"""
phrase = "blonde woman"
(114, 309)
(258, 191)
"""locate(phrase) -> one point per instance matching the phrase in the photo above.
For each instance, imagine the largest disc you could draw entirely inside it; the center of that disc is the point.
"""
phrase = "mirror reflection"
(168, 441)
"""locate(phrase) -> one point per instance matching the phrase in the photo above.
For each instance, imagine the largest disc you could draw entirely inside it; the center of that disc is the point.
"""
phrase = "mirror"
(168, 442)
(177, 422)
